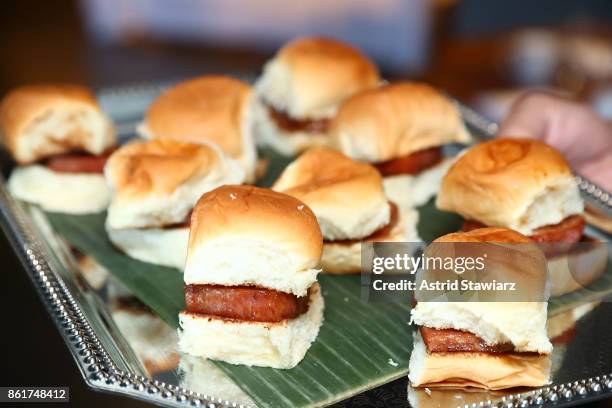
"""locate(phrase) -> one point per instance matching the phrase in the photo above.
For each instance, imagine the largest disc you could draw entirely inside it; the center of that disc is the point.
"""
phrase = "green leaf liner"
(361, 344)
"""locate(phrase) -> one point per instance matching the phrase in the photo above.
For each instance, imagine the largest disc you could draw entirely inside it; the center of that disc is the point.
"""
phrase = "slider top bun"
(209, 108)
(396, 120)
(157, 183)
(272, 239)
(310, 76)
(495, 235)
(38, 121)
(347, 196)
(522, 323)
(515, 183)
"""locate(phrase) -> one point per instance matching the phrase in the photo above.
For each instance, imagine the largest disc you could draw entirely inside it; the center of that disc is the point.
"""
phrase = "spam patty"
(78, 162)
(451, 340)
(244, 302)
(289, 124)
(411, 164)
(569, 230)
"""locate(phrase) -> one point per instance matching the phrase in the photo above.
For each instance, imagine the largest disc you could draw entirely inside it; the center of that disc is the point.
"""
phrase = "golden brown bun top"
(247, 212)
(494, 235)
(208, 108)
(396, 120)
(25, 105)
(323, 174)
(159, 167)
(514, 183)
(315, 54)
(310, 76)
(347, 196)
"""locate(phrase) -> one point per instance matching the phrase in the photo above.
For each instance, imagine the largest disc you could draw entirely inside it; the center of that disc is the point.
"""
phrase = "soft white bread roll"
(472, 369)
(412, 190)
(585, 262)
(39, 121)
(72, 193)
(278, 345)
(160, 246)
(153, 341)
(203, 376)
(520, 184)
(521, 323)
(345, 258)
(243, 235)
(157, 183)
(308, 77)
(211, 108)
(347, 196)
(395, 120)
(307, 80)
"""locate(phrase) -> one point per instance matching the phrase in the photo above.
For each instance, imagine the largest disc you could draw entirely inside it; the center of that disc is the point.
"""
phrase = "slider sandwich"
(527, 186)
(213, 108)
(60, 140)
(301, 88)
(349, 201)
(400, 129)
(155, 185)
(493, 345)
(251, 286)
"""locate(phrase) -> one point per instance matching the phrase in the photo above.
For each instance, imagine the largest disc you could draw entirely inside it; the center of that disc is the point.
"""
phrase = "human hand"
(584, 138)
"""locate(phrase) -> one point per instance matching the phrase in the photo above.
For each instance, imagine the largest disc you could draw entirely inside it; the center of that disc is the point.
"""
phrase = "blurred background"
(484, 52)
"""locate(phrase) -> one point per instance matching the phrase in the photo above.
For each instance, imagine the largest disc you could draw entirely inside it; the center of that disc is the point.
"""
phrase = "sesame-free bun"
(345, 258)
(159, 246)
(412, 190)
(243, 235)
(514, 183)
(347, 196)
(39, 121)
(211, 108)
(476, 369)
(511, 257)
(157, 183)
(69, 193)
(278, 345)
(308, 77)
(396, 120)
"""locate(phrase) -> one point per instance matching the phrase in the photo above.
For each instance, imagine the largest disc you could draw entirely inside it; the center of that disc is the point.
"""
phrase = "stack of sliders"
(527, 186)
(250, 279)
(155, 185)
(300, 90)
(400, 129)
(60, 140)
(494, 345)
(349, 201)
(215, 108)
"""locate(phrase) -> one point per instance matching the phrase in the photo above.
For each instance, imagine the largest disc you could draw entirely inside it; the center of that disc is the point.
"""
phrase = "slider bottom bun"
(201, 375)
(71, 193)
(480, 370)
(153, 341)
(277, 345)
(577, 269)
(345, 258)
(160, 246)
(268, 134)
(408, 191)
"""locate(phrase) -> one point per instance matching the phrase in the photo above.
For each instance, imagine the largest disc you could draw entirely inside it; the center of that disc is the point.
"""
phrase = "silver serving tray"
(101, 352)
